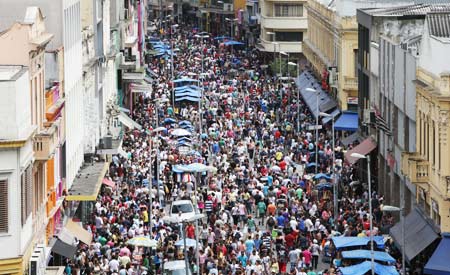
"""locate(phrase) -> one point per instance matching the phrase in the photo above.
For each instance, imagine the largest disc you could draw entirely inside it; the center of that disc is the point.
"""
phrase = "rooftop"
(408, 10)
(11, 72)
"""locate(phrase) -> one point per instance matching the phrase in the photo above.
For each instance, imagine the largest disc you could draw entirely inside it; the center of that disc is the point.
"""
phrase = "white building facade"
(283, 25)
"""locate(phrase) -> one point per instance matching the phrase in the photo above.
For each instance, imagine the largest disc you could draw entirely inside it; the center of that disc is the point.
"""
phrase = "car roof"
(182, 202)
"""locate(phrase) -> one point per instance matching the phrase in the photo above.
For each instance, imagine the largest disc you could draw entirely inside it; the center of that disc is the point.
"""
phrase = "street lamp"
(389, 208)
(311, 90)
(367, 157)
(335, 183)
(201, 85)
(298, 94)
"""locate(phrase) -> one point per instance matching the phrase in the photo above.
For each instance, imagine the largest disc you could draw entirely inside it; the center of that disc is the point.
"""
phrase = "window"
(26, 193)
(4, 217)
(289, 36)
(288, 10)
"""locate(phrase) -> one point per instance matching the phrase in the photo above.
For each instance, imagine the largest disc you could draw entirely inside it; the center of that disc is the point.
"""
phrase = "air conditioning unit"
(369, 116)
(37, 264)
(227, 7)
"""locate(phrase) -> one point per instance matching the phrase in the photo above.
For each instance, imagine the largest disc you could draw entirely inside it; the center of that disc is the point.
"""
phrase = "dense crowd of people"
(264, 212)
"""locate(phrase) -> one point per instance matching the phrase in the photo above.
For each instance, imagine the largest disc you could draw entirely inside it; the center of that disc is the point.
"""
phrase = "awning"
(351, 139)
(326, 102)
(130, 41)
(86, 185)
(366, 254)
(63, 244)
(348, 121)
(363, 148)
(79, 232)
(418, 236)
(364, 267)
(108, 182)
(333, 114)
(127, 121)
(343, 242)
(439, 263)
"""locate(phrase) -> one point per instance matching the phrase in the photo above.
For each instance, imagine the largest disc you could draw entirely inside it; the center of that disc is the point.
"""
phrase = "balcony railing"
(45, 143)
(350, 83)
(415, 168)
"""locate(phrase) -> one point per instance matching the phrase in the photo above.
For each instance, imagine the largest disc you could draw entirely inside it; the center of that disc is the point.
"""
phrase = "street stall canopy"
(363, 148)
(333, 114)
(348, 121)
(418, 236)
(86, 185)
(366, 254)
(130, 123)
(439, 263)
(79, 232)
(342, 242)
(233, 43)
(326, 103)
(181, 80)
(352, 138)
(364, 267)
(63, 244)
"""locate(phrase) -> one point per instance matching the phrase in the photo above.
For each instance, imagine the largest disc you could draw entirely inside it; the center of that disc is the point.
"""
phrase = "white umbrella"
(180, 132)
(275, 168)
(159, 129)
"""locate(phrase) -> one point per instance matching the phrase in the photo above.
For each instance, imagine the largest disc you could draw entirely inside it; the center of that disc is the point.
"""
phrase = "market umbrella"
(142, 241)
(189, 242)
(322, 186)
(169, 120)
(275, 168)
(159, 129)
(322, 176)
(180, 132)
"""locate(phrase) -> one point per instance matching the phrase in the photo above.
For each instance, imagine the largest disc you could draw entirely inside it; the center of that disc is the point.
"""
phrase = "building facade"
(16, 172)
(428, 167)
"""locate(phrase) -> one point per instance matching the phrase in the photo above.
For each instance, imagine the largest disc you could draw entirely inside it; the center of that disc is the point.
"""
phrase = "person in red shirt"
(289, 239)
(190, 231)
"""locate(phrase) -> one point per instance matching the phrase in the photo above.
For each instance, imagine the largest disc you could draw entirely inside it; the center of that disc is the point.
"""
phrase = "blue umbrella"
(233, 43)
(184, 122)
(185, 80)
(184, 139)
(311, 164)
(187, 86)
(322, 176)
(169, 120)
(188, 98)
(323, 186)
(223, 37)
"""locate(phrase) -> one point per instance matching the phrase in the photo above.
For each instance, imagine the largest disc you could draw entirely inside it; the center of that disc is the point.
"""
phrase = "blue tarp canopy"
(176, 169)
(348, 121)
(185, 87)
(341, 242)
(223, 37)
(232, 43)
(365, 254)
(323, 186)
(184, 122)
(180, 80)
(326, 103)
(188, 98)
(364, 267)
(191, 94)
(439, 263)
(321, 176)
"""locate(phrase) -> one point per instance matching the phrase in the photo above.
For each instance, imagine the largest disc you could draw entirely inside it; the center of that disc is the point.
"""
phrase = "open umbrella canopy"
(223, 37)
(175, 265)
(169, 120)
(142, 241)
(185, 122)
(180, 132)
(188, 98)
(233, 43)
(311, 164)
(189, 242)
(322, 176)
(187, 87)
(159, 129)
(192, 93)
(197, 168)
(275, 168)
(180, 80)
(322, 186)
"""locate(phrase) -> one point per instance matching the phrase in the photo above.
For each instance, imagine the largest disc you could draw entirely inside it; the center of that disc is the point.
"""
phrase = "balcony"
(128, 63)
(45, 142)
(284, 23)
(350, 83)
(415, 168)
(289, 47)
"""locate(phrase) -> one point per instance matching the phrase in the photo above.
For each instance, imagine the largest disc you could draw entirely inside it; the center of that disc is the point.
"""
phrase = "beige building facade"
(429, 167)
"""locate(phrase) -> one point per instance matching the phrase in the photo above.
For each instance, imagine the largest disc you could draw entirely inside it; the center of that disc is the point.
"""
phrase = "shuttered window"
(4, 221)
(26, 198)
